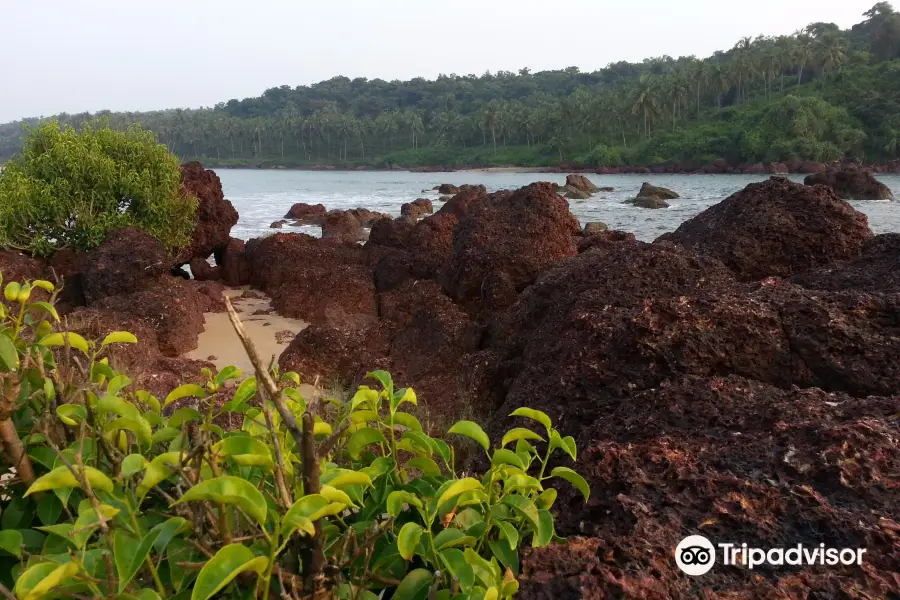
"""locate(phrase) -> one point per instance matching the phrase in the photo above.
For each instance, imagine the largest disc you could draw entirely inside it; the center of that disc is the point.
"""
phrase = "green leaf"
(230, 490)
(472, 430)
(567, 444)
(133, 463)
(222, 568)
(408, 421)
(11, 541)
(129, 554)
(426, 465)
(62, 477)
(182, 416)
(305, 511)
(243, 393)
(59, 339)
(507, 457)
(459, 568)
(396, 500)
(8, 353)
(485, 571)
(573, 478)
(546, 499)
(43, 284)
(414, 586)
(509, 533)
(346, 477)
(458, 487)
(524, 507)
(17, 514)
(165, 434)
(157, 471)
(506, 555)
(534, 415)
(229, 372)
(117, 384)
(452, 537)
(40, 579)
(49, 509)
(519, 433)
(408, 539)
(362, 438)
(183, 391)
(120, 337)
(442, 449)
(544, 532)
(402, 396)
(245, 451)
(365, 397)
(384, 378)
(46, 307)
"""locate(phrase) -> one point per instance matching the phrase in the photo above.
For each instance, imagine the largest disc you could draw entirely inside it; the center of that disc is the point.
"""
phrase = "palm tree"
(557, 142)
(804, 53)
(675, 90)
(720, 81)
(644, 101)
(784, 54)
(700, 74)
(743, 65)
(831, 49)
(492, 118)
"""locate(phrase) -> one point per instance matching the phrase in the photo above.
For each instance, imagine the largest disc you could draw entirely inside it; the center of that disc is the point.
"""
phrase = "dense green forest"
(820, 94)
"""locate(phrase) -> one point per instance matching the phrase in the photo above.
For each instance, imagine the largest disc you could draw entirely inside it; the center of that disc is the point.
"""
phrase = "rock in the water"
(447, 188)
(366, 217)
(653, 191)
(776, 227)
(507, 240)
(417, 208)
(852, 185)
(575, 193)
(128, 260)
(342, 226)
(215, 215)
(649, 202)
(306, 214)
(593, 228)
(277, 224)
(876, 269)
(580, 182)
(606, 189)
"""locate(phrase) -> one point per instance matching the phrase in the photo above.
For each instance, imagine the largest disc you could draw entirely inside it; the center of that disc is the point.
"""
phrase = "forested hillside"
(820, 94)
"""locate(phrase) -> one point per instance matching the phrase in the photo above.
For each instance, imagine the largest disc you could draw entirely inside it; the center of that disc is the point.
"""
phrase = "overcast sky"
(77, 55)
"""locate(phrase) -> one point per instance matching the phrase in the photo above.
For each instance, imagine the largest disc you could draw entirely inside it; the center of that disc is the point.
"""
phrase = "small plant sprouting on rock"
(118, 494)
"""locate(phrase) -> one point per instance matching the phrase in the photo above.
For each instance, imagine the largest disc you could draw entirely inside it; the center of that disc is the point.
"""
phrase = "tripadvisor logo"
(695, 555)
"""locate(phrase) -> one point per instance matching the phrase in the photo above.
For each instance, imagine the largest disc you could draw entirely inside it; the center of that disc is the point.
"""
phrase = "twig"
(6, 593)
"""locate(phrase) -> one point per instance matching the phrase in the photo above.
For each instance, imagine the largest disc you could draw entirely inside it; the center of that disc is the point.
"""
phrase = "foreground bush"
(120, 496)
(67, 189)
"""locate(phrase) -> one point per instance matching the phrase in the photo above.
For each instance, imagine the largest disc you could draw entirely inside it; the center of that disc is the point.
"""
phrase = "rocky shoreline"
(737, 377)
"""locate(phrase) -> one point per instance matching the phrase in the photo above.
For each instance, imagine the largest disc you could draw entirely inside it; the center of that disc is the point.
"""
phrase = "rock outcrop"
(648, 202)
(580, 182)
(876, 269)
(306, 214)
(447, 188)
(235, 265)
(417, 208)
(593, 228)
(575, 193)
(342, 226)
(776, 227)
(652, 191)
(852, 185)
(215, 215)
(505, 242)
(129, 260)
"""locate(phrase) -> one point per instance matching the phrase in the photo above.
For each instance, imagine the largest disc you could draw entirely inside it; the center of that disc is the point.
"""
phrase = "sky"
(90, 55)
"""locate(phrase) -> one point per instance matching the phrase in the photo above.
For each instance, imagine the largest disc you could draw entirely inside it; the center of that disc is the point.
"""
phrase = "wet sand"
(220, 345)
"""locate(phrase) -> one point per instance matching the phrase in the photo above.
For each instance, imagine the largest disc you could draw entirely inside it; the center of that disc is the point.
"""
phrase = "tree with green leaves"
(68, 188)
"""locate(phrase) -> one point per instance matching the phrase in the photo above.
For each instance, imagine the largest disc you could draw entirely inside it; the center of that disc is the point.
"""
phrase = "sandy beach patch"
(270, 332)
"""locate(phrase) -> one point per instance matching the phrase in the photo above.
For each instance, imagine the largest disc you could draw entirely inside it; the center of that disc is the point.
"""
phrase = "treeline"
(820, 94)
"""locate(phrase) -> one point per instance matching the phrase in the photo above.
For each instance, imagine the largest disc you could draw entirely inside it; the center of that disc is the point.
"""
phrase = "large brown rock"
(876, 269)
(504, 244)
(342, 226)
(417, 208)
(305, 213)
(317, 280)
(235, 264)
(215, 215)
(447, 188)
(392, 233)
(129, 260)
(342, 352)
(460, 204)
(738, 461)
(575, 193)
(776, 227)
(852, 185)
(580, 182)
(652, 191)
(203, 271)
(172, 307)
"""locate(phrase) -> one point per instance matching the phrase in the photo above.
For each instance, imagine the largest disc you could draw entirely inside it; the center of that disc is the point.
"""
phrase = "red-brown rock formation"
(852, 185)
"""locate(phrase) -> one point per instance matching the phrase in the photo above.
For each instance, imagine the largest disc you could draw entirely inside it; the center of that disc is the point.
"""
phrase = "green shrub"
(67, 189)
(121, 498)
